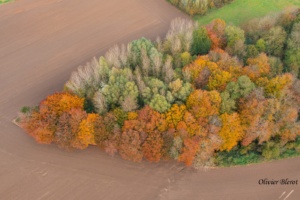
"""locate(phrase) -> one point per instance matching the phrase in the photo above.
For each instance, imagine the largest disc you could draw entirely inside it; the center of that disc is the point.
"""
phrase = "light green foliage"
(154, 86)
(275, 40)
(180, 90)
(235, 40)
(234, 33)
(261, 45)
(186, 58)
(103, 70)
(159, 103)
(271, 150)
(118, 88)
(241, 88)
(245, 85)
(135, 50)
(234, 91)
(228, 104)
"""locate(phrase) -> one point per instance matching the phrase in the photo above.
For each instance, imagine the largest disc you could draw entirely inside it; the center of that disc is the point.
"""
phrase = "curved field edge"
(216, 78)
(240, 11)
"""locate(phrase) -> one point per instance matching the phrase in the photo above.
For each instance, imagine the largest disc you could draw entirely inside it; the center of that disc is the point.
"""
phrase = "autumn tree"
(190, 148)
(42, 122)
(257, 67)
(68, 128)
(231, 132)
(203, 103)
(216, 33)
(252, 119)
(130, 146)
(85, 135)
(152, 146)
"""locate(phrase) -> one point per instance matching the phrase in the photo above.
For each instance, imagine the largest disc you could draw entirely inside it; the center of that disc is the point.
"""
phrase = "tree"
(175, 114)
(228, 104)
(59, 103)
(190, 148)
(135, 51)
(275, 86)
(261, 45)
(68, 127)
(270, 150)
(275, 40)
(179, 90)
(129, 104)
(179, 36)
(257, 67)
(276, 66)
(185, 58)
(203, 103)
(159, 103)
(201, 42)
(235, 37)
(130, 146)
(168, 71)
(40, 128)
(152, 146)
(252, 51)
(216, 33)
(176, 148)
(85, 135)
(292, 55)
(218, 79)
(241, 88)
(192, 126)
(42, 122)
(251, 111)
(202, 80)
(231, 131)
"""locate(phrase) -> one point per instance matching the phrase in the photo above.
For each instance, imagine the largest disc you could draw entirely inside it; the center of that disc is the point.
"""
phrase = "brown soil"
(41, 43)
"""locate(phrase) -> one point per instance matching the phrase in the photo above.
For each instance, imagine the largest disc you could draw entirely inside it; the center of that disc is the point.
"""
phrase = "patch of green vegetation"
(4, 1)
(241, 11)
(238, 156)
(255, 153)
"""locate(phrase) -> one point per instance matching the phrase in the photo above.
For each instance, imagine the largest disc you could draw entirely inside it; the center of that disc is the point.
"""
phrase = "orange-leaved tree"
(203, 104)
(41, 123)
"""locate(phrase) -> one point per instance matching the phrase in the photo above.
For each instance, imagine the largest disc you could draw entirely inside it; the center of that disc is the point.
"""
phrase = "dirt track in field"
(41, 43)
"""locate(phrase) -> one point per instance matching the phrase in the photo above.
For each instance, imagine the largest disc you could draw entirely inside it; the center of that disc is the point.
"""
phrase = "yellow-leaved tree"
(231, 131)
(85, 136)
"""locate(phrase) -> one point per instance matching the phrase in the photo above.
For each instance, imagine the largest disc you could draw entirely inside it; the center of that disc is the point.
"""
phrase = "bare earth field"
(41, 43)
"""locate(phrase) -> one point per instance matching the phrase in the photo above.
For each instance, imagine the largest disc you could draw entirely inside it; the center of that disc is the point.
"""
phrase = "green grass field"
(4, 1)
(240, 11)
